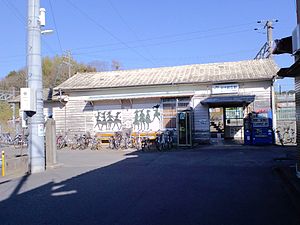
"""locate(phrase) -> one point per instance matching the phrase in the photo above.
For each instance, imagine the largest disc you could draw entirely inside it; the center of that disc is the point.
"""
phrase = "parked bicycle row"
(18, 141)
(161, 140)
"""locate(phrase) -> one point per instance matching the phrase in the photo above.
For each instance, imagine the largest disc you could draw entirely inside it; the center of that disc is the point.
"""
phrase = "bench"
(104, 137)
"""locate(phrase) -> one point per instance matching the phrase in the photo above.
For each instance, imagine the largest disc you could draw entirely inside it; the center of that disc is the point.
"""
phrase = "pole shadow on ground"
(182, 187)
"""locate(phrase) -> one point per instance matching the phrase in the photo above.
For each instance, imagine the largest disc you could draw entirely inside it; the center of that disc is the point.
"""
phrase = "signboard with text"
(225, 88)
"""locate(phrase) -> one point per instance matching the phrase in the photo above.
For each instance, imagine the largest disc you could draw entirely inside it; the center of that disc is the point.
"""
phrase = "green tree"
(5, 115)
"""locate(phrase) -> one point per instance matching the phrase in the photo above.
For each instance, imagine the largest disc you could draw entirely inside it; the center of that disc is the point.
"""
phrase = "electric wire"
(185, 60)
(127, 25)
(22, 19)
(155, 44)
(168, 36)
(155, 38)
(55, 26)
(14, 10)
(107, 31)
(164, 43)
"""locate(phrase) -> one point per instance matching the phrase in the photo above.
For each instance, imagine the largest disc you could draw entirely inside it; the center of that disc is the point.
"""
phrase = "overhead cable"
(107, 31)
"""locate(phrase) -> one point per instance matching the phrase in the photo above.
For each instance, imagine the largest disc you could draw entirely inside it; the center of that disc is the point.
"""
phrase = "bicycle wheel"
(286, 138)
(111, 143)
(158, 145)
(17, 144)
(117, 144)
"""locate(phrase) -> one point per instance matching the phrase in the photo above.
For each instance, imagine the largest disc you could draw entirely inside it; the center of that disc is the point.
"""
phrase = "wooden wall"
(78, 115)
(201, 133)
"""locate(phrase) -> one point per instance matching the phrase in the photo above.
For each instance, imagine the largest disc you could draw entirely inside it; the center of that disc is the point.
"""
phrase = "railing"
(286, 114)
(6, 95)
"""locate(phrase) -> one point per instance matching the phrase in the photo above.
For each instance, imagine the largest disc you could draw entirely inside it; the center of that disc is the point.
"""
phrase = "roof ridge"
(179, 66)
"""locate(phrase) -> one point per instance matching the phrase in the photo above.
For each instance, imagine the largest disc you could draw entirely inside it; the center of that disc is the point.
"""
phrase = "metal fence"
(287, 114)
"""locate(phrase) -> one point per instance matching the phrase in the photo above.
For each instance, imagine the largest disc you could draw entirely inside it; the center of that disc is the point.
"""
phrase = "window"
(126, 104)
(234, 116)
(170, 107)
(169, 115)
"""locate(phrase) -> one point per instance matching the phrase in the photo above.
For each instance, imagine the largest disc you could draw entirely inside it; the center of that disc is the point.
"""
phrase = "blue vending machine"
(262, 128)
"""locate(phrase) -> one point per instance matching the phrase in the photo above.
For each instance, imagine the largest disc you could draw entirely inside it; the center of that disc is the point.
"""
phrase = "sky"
(143, 34)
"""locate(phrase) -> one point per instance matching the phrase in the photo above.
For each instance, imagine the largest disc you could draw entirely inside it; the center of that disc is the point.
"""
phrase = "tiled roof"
(263, 69)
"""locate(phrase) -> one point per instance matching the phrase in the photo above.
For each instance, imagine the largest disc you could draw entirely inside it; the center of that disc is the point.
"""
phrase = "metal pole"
(34, 69)
(3, 163)
(14, 108)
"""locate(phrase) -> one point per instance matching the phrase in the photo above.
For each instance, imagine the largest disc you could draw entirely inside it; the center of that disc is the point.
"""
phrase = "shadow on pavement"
(157, 188)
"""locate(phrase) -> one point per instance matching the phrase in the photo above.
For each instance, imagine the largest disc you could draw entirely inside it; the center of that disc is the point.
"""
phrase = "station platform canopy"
(236, 100)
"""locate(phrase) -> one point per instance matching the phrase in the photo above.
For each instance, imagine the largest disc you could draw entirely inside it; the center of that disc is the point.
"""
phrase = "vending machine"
(262, 129)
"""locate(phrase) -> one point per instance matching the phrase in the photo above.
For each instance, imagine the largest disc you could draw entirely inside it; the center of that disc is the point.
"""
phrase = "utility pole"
(69, 63)
(35, 82)
(269, 27)
(267, 49)
(68, 55)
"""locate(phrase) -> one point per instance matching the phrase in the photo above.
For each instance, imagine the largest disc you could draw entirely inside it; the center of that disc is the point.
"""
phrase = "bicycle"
(19, 141)
(96, 143)
(289, 136)
(160, 141)
(6, 138)
(169, 138)
(61, 141)
(115, 141)
(137, 141)
(280, 138)
(80, 142)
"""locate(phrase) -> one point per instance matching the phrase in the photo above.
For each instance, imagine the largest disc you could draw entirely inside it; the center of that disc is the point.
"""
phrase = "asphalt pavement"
(233, 185)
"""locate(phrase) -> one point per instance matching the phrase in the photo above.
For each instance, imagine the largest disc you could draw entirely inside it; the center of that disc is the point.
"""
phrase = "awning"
(292, 71)
(236, 100)
(138, 95)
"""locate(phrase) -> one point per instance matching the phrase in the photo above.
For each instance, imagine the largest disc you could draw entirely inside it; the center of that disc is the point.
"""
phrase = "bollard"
(3, 164)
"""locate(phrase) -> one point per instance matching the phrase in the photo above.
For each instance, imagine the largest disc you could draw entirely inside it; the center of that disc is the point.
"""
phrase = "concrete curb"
(54, 166)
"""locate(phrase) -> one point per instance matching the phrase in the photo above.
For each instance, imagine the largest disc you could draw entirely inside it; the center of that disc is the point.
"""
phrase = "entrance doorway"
(216, 116)
(234, 119)
(226, 123)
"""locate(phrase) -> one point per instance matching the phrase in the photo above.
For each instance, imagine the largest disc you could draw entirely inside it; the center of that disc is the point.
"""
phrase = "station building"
(200, 102)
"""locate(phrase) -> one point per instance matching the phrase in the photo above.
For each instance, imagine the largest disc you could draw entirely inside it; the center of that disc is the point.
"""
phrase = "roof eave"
(164, 84)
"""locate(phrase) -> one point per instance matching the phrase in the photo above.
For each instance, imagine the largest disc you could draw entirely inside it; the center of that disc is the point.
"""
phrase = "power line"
(15, 11)
(56, 30)
(127, 25)
(186, 57)
(148, 45)
(169, 36)
(48, 46)
(107, 31)
(22, 19)
(166, 42)
(185, 60)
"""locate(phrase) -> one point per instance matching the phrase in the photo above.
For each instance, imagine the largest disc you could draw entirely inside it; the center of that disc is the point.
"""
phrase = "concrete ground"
(234, 185)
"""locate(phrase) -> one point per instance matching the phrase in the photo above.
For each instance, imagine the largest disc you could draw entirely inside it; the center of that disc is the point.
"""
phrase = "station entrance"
(227, 115)
(226, 123)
